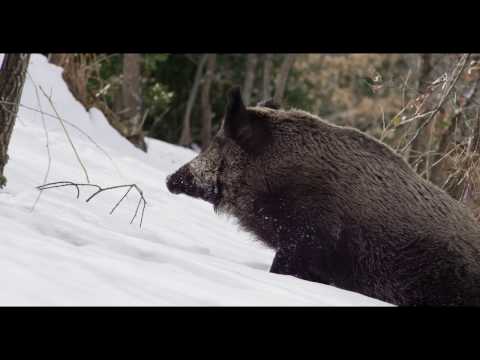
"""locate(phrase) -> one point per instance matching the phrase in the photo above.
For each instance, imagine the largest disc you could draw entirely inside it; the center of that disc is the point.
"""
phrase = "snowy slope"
(69, 252)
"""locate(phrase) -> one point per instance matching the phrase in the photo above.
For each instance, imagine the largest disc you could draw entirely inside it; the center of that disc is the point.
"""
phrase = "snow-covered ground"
(69, 252)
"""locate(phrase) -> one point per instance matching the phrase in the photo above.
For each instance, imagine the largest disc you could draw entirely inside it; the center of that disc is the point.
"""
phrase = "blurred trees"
(251, 66)
(129, 104)
(90, 83)
(207, 114)
(282, 77)
(418, 153)
(186, 136)
(425, 106)
(267, 75)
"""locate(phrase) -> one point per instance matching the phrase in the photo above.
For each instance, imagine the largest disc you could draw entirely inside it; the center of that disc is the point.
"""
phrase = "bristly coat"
(338, 206)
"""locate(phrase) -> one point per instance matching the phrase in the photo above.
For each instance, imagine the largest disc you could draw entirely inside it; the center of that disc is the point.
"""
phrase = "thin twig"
(45, 178)
(49, 98)
(404, 87)
(123, 197)
(416, 117)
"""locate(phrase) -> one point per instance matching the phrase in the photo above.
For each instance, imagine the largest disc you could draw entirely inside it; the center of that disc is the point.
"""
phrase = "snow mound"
(69, 252)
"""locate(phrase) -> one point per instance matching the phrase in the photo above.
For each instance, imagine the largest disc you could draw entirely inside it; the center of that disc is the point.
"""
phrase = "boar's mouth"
(183, 182)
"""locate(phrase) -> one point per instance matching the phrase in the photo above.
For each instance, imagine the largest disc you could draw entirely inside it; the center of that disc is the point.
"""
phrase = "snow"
(67, 252)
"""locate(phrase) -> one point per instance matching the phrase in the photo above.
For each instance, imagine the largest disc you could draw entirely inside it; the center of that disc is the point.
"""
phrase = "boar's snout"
(183, 182)
(180, 182)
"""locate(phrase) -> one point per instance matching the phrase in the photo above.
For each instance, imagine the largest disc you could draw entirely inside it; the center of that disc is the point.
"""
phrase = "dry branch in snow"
(100, 190)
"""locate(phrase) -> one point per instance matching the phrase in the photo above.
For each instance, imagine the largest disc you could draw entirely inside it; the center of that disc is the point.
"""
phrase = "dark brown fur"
(338, 206)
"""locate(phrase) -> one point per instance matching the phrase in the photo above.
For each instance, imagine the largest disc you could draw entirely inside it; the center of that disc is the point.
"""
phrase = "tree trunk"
(186, 136)
(251, 66)
(126, 115)
(75, 73)
(12, 77)
(267, 76)
(131, 114)
(58, 59)
(419, 151)
(205, 101)
(282, 77)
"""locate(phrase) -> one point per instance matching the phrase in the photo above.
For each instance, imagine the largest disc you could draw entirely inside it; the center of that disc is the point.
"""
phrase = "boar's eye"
(249, 131)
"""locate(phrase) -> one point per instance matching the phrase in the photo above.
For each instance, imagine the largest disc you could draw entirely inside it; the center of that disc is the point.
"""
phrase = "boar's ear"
(269, 103)
(246, 129)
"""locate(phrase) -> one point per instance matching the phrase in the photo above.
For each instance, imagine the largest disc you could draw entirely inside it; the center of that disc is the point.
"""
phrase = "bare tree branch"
(100, 190)
(437, 171)
(459, 69)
